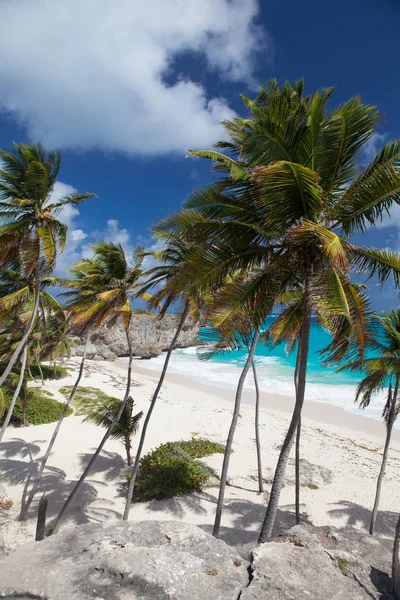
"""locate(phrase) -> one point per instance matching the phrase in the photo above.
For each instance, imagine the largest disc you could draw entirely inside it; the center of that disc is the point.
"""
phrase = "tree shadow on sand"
(89, 505)
(359, 516)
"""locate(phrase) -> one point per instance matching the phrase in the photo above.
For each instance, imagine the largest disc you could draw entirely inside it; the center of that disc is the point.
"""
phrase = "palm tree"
(28, 218)
(58, 342)
(100, 293)
(27, 503)
(18, 295)
(126, 427)
(16, 394)
(292, 192)
(257, 428)
(382, 372)
(234, 328)
(173, 274)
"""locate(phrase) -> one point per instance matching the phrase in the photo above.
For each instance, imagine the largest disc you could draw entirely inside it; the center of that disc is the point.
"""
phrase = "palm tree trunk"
(115, 421)
(28, 330)
(25, 405)
(396, 563)
(270, 516)
(16, 393)
(135, 467)
(30, 373)
(257, 429)
(297, 456)
(229, 441)
(297, 470)
(26, 505)
(128, 447)
(389, 429)
(39, 366)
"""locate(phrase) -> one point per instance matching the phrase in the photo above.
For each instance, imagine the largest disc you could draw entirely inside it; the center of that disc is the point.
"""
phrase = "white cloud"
(371, 147)
(390, 220)
(93, 74)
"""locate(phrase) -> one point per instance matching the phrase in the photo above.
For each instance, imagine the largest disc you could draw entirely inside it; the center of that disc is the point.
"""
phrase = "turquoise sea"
(275, 371)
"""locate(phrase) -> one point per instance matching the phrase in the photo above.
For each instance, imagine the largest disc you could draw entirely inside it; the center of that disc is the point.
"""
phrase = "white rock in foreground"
(125, 561)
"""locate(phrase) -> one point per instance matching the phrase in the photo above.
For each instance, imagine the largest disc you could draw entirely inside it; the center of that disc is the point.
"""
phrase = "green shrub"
(48, 371)
(171, 470)
(87, 399)
(41, 408)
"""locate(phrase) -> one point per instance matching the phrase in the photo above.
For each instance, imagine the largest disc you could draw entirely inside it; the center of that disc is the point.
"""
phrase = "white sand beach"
(349, 445)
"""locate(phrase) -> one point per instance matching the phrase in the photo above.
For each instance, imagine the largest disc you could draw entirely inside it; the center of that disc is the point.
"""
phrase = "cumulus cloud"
(79, 241)
(100, 74)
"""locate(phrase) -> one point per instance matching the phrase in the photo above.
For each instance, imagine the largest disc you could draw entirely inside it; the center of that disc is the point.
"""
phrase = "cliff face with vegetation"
(149, 336)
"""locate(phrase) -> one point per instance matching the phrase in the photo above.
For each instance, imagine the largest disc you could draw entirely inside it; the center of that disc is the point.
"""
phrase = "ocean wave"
(274, 377)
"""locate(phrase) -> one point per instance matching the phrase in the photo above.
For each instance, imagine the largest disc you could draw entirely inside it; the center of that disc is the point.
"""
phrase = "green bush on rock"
(172, 470)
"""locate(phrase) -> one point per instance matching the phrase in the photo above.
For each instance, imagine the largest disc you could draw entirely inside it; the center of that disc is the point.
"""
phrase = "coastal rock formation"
(310, 562)
(157, 560)
(123, 561)
(149, 336)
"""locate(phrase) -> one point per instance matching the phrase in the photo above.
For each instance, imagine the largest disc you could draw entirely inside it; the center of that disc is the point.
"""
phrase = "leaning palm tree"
(292, 192)
(287, 329)
(18, 295)
(173, 274)
(126, 427)
(100, 293)
(382, 372)
(234, 329)
(28, 218)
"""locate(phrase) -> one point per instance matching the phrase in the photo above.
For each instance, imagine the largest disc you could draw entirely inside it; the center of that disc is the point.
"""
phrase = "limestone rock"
(148, 334)
(104, 352)
(303, 565)
(125, 561)
(91, 350)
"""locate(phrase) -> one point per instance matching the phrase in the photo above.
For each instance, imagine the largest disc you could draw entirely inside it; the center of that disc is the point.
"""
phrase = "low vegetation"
(343, 563)
(49, 372)
(88, 399)
(172, 469)
(36, 407)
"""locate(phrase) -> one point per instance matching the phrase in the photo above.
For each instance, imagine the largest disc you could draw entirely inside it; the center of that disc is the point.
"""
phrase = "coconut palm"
(382, 373)
(234, 329)
(126, 427)
(20, 382)
(172, 273)
(287, 329)
(257, 426)
(101, 292)
(292, 192)
(18, 295)
(58, 342)
(28, 218)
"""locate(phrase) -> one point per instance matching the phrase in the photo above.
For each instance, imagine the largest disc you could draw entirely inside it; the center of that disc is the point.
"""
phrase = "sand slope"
(349, 445)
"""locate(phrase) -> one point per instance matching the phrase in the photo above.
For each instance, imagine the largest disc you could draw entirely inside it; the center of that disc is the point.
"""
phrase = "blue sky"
(123, 89)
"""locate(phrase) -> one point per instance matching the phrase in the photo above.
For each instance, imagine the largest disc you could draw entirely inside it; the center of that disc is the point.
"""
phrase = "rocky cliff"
(149, 336)
(157, 560)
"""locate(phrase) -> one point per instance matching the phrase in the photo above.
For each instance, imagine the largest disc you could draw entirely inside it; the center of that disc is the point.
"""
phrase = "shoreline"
(348, 448)
(322, 413)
